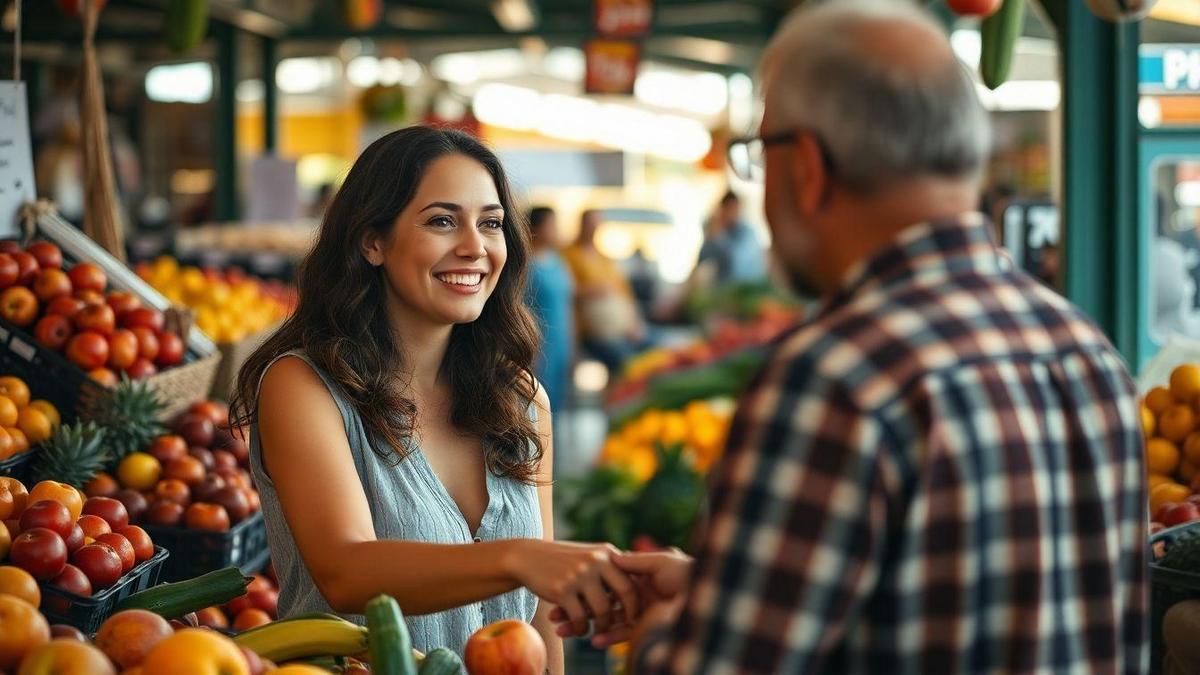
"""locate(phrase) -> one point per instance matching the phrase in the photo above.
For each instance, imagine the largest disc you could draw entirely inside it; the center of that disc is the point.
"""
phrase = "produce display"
(106, 333)
(24, 423)
(230, 305)
(1171, 421)
(257, 607)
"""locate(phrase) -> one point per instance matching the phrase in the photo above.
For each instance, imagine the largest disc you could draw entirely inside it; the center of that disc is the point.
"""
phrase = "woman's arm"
(547, 628)
(305, 450)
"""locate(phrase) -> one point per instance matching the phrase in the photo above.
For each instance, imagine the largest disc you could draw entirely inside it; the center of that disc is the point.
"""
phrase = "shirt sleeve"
(798, 523)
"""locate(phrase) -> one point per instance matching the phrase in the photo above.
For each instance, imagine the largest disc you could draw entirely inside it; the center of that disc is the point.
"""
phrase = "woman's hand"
(580, 579)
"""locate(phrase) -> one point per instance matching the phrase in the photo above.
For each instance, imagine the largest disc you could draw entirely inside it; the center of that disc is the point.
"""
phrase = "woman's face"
(446, 250)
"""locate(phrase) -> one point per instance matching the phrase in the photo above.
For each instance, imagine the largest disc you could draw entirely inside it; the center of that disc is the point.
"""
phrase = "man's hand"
(661, 579)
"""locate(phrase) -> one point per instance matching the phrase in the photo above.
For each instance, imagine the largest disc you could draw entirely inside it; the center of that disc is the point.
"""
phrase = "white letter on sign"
(1175, 67)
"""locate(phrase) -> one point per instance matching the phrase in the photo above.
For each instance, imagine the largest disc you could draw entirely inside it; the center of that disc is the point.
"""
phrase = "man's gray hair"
(882, 116)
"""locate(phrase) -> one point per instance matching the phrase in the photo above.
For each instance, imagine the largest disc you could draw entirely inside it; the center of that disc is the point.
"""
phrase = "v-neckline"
(448, 499)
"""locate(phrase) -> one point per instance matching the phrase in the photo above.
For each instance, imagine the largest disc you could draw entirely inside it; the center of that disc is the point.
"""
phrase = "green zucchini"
(998, 40)
(441, 661)
(186, 24)
(387, 638)
(174, 600)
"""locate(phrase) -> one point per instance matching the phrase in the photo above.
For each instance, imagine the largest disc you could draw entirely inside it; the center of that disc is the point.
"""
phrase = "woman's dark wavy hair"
(340, 322)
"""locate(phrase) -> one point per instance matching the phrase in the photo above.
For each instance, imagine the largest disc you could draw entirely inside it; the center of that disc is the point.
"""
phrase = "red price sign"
(612, 66)
(623, 18)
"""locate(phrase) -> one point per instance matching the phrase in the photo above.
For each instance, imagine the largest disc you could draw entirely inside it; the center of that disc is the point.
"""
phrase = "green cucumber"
(387, 638)
(186, 24)
(172, 601)
(998, 40)
(441, 661)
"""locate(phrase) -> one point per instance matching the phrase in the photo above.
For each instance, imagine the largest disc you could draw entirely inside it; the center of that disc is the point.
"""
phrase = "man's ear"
(812, 176)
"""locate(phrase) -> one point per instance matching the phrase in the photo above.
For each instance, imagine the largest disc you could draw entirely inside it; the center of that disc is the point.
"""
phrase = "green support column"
(270, 59)
(225, 127)
(1100, 204)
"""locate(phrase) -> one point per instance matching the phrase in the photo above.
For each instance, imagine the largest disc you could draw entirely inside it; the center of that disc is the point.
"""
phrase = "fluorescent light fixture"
(470, 67)
(306, 75)
(1187, 193)
(180, 83)
(514, 16)
(699, 93)
(565, 63)
(249, 91)
(363, 71)
(1017, 95)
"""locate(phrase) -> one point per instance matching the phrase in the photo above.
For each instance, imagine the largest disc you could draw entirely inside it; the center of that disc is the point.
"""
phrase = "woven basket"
(233, 355)
(183, 385)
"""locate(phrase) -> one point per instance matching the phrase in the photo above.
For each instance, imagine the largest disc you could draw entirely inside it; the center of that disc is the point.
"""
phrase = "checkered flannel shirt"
(940, 472)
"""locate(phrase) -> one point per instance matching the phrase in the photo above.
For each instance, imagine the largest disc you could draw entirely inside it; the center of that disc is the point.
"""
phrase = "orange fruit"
(22, 630)
(15, 388)
(19, 583)
(1176, 423)
(1149, 421)
(1187, 471)
(1162, 456)
(47, 408)
(5, 541)
(19, 493)
(8, 446)
(1159, 399)
(1191, 448)
(8, 503)
(139, 471)
(35, 424)
(62, 493)
(1185, 382)
(65, 655)
(193, 651)
(8, 412)
(1168, 492)
(20, 442)
(1155, 479)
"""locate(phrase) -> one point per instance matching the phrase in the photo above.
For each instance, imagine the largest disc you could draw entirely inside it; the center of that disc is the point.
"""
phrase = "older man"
(941, 470)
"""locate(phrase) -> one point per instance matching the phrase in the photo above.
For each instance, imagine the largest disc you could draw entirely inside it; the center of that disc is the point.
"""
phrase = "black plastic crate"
(19, 466)
(196, 552)
(87, 614)
(57, 380)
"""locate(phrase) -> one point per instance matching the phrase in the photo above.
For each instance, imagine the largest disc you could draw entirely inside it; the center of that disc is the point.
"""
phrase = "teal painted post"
(1100, 211)
(225, 147)
(270, 59)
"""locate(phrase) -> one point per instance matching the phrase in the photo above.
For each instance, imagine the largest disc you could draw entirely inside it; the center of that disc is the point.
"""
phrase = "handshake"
(617, 594)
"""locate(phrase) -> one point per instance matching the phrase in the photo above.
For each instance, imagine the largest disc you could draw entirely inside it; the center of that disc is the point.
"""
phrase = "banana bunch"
(304, 636)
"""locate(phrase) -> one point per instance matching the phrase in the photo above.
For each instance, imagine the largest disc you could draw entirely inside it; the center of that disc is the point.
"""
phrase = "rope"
(102, 218)
(17, 43)
(31, 213)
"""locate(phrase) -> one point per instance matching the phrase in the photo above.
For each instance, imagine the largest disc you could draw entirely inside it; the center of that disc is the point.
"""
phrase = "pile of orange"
(23, 423)
(1171, 420)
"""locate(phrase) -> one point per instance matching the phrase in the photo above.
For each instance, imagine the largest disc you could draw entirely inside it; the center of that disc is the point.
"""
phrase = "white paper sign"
(16, 158)
(274, 191)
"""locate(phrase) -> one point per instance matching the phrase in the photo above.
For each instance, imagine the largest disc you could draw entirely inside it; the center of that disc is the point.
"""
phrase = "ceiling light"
(514, 16)
(180, 83)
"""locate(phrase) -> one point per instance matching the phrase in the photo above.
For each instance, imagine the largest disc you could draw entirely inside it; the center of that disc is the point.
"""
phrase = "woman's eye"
(493, 224)
(442, 221)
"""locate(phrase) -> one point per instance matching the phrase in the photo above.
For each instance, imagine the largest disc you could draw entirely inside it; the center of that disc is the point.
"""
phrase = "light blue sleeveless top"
(407, 501)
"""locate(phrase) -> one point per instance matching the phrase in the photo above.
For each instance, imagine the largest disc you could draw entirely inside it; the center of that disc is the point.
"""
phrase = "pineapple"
(73, 455)
(129, 415)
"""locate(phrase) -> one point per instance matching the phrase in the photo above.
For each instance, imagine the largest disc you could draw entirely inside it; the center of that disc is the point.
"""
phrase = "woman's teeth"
(461, 279)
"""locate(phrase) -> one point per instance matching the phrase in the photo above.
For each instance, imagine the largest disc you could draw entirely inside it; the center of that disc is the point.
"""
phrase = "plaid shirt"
(940, 472)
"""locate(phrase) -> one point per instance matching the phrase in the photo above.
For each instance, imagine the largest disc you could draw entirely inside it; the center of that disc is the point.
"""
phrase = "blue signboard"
(1169, 69)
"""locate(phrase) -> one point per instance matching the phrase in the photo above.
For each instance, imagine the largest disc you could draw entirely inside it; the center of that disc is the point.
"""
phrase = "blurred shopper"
(941, 470)
(550, 295)
(397, 435)
(730, 247)
(610, 326)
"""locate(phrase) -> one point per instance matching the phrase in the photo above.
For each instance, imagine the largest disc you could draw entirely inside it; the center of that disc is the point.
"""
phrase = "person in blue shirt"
(550, 295)
(731, 247)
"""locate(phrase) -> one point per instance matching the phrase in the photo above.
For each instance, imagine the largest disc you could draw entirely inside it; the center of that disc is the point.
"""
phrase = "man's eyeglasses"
(746, 155)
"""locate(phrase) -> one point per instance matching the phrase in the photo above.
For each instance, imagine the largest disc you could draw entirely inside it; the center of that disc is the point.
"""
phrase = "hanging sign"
(1028, 229)
(623, 18)
(16, 157)
(1169, 69)
(612, 66)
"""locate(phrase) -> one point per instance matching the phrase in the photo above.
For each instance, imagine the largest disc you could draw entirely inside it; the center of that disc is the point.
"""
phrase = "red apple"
(88, 276)
(123, 548)
(143, 547)
(99, 318)
(75, 541)
(123, 349)
(100, 562)
(67, 306)
(19, 306)
(50, 284)
(48, 255)
(165, 514)
(89, 297)
(9, 271)
(224, 459)
(235, 502)
(170, 349)
(40, 552)
(147, 342)
(53, 331)
(111, 510)
(93, 526)
(135, 503)
(266, 599)
(62, 630)
(205, 456)
(52, 515)
(122, 301)
(27, 268)
(74, 8)
(978, 8)
(1181, 513)
(72, 580)
(88, 350)
(141, 369)
(10, 246)
(510, 647)
(104, 376)
(197, 431)
(143, 317)
(208, 487)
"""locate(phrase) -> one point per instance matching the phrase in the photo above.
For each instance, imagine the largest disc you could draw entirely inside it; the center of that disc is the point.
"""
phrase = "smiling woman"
(398, 439)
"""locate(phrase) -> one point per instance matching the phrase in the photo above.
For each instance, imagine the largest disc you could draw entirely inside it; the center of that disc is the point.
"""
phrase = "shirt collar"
(928, 249)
